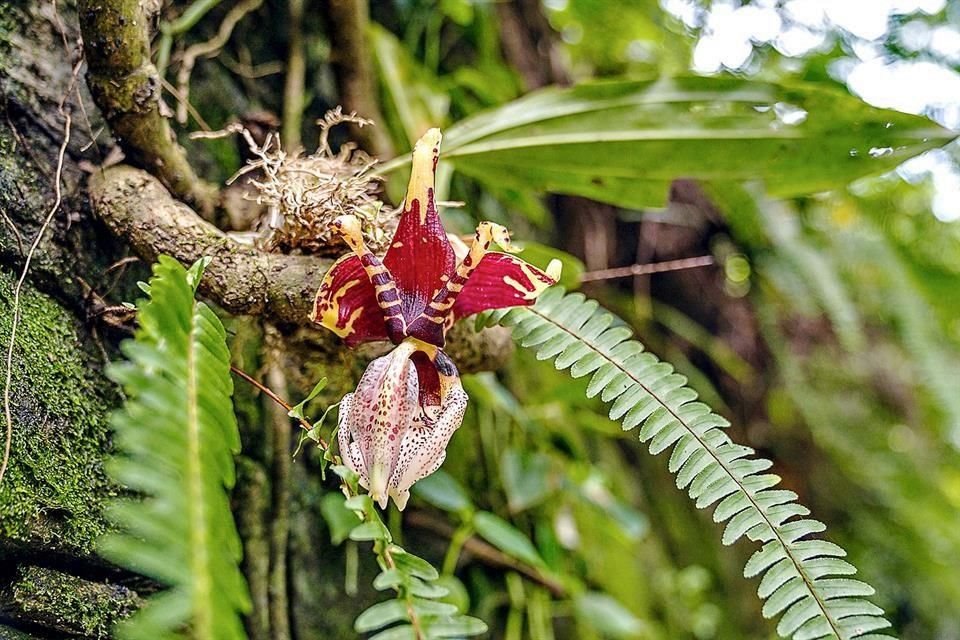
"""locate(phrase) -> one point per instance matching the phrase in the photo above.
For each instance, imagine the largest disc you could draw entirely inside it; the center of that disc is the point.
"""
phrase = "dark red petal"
(429, 379)
(499, 281)
(346, 303)
(420, 254)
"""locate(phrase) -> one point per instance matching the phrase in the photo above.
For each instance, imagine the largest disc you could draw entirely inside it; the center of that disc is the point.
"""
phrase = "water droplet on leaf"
(879, 152)
(789, 114)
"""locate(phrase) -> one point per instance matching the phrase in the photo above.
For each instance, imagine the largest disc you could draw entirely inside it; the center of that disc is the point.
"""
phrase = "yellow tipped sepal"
(422, 175)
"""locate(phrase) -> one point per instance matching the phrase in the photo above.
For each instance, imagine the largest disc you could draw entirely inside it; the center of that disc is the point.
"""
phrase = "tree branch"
(241, 278)
(126, 88)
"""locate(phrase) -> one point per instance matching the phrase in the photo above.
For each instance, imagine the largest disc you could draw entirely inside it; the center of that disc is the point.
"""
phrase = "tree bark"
(54, 490)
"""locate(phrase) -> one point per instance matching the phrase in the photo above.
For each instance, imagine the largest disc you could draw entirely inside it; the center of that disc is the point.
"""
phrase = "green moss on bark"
(55, 485)
(70, 604)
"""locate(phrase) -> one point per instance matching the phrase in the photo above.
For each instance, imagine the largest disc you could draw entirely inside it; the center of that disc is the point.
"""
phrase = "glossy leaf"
(442, 491)
(526, 478)
(605, 614)
(340, 520)
(624, 141)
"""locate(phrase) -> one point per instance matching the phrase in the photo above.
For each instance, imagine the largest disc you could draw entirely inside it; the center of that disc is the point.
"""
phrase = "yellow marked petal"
(330, 312)
(538, 285)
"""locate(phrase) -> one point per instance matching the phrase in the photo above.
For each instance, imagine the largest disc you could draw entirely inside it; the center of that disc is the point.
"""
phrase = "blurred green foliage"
(828, 335)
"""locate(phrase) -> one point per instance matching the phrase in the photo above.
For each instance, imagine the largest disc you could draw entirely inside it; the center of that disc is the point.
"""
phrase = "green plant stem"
(411, 613)
(488, 554)
(351, 568)
(279, 423)
(164, 45)
(189, 18)
(459, 538)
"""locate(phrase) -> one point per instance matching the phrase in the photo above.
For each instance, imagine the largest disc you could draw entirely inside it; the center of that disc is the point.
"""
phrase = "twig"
(242, 279)
(122, 262)
(488, 553)
(181, 25)
(280, 401)
(16, 292)
(73, 79)
(182, 101)
(647, 269)
(251, 71)
(206, 49)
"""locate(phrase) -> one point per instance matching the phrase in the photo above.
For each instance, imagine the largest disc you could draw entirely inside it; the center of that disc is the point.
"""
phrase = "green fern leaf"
(177, 435)
(803, 578)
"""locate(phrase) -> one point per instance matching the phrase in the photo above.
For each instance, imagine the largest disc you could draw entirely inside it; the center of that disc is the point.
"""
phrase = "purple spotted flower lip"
(384, 435)
(395, 427)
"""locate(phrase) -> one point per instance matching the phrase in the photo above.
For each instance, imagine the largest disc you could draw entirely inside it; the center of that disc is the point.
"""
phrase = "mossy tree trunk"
(52, 499)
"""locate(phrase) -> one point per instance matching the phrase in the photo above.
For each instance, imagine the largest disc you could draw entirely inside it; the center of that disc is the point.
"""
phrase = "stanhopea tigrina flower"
(395, 427)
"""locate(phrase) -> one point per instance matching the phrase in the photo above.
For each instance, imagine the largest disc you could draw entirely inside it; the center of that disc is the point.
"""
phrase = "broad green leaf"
(414, 100)
(506, 537)
(380, 615)
(400, 632)
(456, 593)
(412, 565)
(369, 531)
(606, 615)
(442, 491)
(338, 517)
(459, 627)
(527, 478)
(624, 141)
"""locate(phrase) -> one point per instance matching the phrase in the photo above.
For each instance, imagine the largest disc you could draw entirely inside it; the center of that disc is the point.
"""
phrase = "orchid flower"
(394, 429)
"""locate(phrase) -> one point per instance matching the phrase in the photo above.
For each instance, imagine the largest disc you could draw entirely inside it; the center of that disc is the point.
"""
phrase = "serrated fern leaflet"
(177, 435)
(804, 580)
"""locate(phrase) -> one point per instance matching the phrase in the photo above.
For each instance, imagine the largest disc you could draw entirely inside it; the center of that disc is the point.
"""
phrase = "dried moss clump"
(304, 194)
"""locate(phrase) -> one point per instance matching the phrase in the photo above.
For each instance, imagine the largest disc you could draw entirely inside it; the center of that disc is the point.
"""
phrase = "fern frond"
(421, 616)
(804, 579)
(177, 435)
